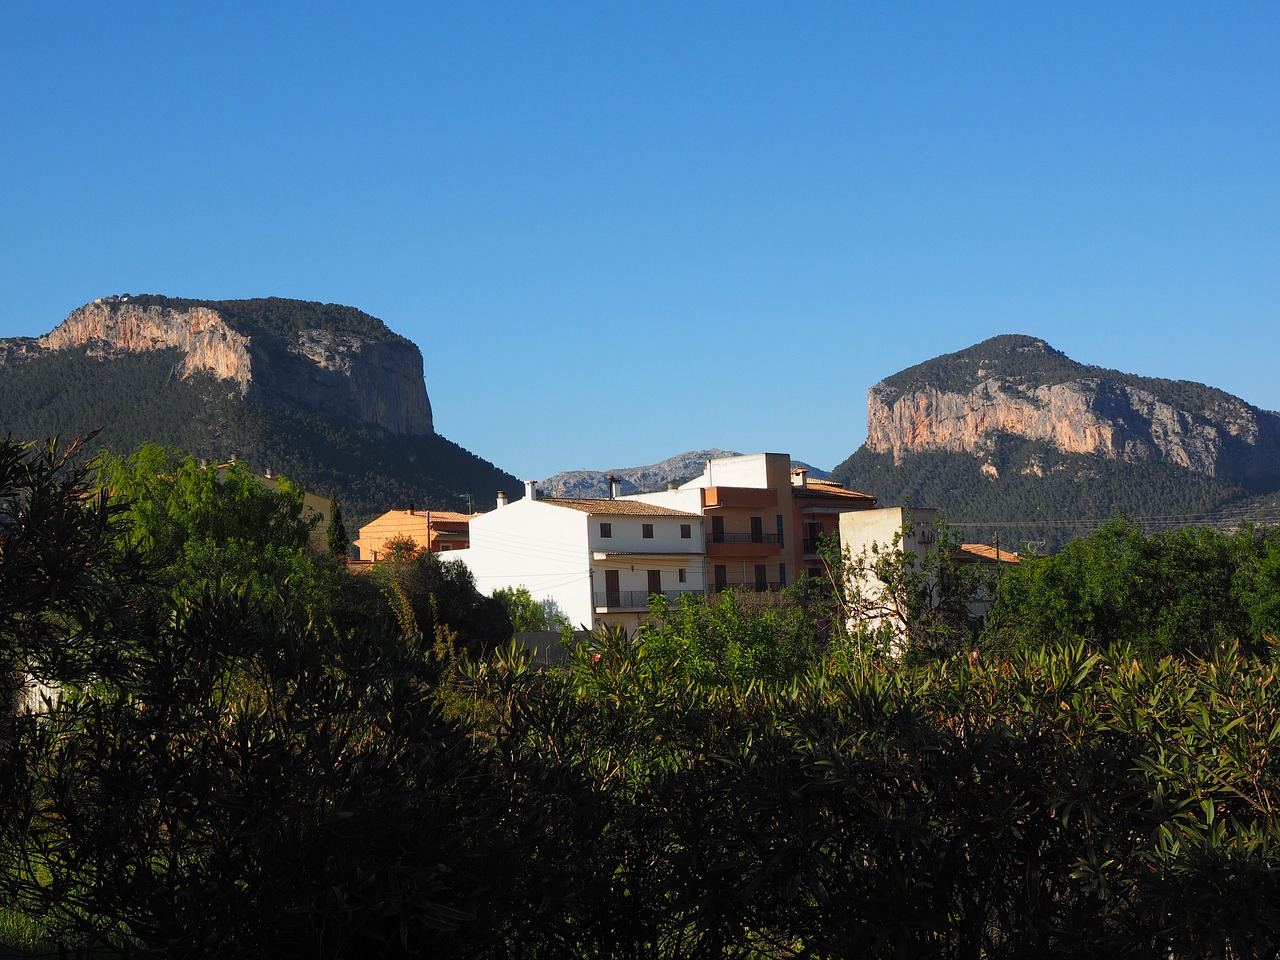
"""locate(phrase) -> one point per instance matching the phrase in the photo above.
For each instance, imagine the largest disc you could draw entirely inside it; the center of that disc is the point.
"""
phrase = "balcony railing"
(635, 599)
(742, 538)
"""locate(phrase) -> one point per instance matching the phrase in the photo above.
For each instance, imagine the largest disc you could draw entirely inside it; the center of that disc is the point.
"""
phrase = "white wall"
(537, 546)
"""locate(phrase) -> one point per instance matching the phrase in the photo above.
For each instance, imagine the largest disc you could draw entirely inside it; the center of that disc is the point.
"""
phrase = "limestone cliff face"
(331, 373)
(968, 401)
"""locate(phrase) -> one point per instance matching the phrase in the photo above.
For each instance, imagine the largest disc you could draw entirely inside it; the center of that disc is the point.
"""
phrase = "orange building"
(817, 506)
(435, 531)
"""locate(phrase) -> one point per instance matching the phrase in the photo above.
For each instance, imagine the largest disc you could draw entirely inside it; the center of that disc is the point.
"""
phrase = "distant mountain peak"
(645, 479)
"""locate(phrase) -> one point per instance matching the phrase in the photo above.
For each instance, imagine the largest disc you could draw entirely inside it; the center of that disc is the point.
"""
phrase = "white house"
(599, 560)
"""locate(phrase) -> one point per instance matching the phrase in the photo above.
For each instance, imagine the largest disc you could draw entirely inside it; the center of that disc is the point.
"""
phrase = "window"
(655, 581)
(722, 576)
(680, 575)
(781, 538)
(612, 590)
(782, 574)
(717, 529)
(686, 531)
(606, 530)
(762, 578)
(646, 531)
(757, 529)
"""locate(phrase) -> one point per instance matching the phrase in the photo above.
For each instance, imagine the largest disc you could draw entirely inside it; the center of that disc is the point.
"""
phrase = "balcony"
(743, 545)
(613, 601)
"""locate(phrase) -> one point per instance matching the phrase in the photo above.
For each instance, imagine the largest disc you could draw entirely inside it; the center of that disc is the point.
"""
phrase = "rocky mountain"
(655, 476)
(1013, 431)
(1017, 386)
(332, 361)
(322, 393)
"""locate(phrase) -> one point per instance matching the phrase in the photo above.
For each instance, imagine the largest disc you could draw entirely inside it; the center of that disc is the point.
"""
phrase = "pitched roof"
(605, 507)
(437, 516)
(829, 488)
(983, 553)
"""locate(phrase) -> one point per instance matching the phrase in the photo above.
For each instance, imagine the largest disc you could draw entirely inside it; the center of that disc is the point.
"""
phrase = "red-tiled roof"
(982, 552)
(829, 488)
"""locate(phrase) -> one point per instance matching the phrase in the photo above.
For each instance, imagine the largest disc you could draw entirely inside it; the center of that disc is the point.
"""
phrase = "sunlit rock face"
(376, 382)
(975, 400)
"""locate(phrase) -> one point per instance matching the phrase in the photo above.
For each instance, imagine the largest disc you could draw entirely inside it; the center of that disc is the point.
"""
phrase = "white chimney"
(800, 478)
(502, 498)
(613, 487)
(530, 489)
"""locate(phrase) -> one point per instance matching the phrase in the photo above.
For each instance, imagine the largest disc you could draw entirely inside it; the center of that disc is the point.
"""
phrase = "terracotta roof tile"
(605, 507)
(829, 488)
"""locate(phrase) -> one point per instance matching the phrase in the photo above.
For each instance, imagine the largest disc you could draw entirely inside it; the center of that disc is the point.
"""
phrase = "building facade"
(597, 560)
(763, 519)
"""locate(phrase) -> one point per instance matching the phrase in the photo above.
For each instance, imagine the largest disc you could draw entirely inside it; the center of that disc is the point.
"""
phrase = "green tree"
(171, 499)
(429, 594)
(527, 615)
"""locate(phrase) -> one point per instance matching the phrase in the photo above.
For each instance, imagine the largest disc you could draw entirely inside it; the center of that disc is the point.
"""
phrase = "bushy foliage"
(1056, 804)
(219, 778)
(731, 637)
(1189, 590)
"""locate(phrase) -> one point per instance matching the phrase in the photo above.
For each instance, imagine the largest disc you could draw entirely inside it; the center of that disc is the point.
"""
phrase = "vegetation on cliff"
(1030, 361)
(135, 399)
(279, 316)
(1038, 498)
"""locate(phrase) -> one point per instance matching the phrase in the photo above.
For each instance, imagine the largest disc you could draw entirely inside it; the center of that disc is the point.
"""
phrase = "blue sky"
(622, 231)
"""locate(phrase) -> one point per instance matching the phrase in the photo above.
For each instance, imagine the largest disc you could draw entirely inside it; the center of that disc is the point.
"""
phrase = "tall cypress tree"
(338, 542)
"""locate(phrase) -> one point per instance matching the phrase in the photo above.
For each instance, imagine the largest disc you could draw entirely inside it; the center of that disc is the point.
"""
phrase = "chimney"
(613, 487)
(800, 478)
(411, 509)
(672, 485)
(502, 498)
(269, 475)
(530, 489)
